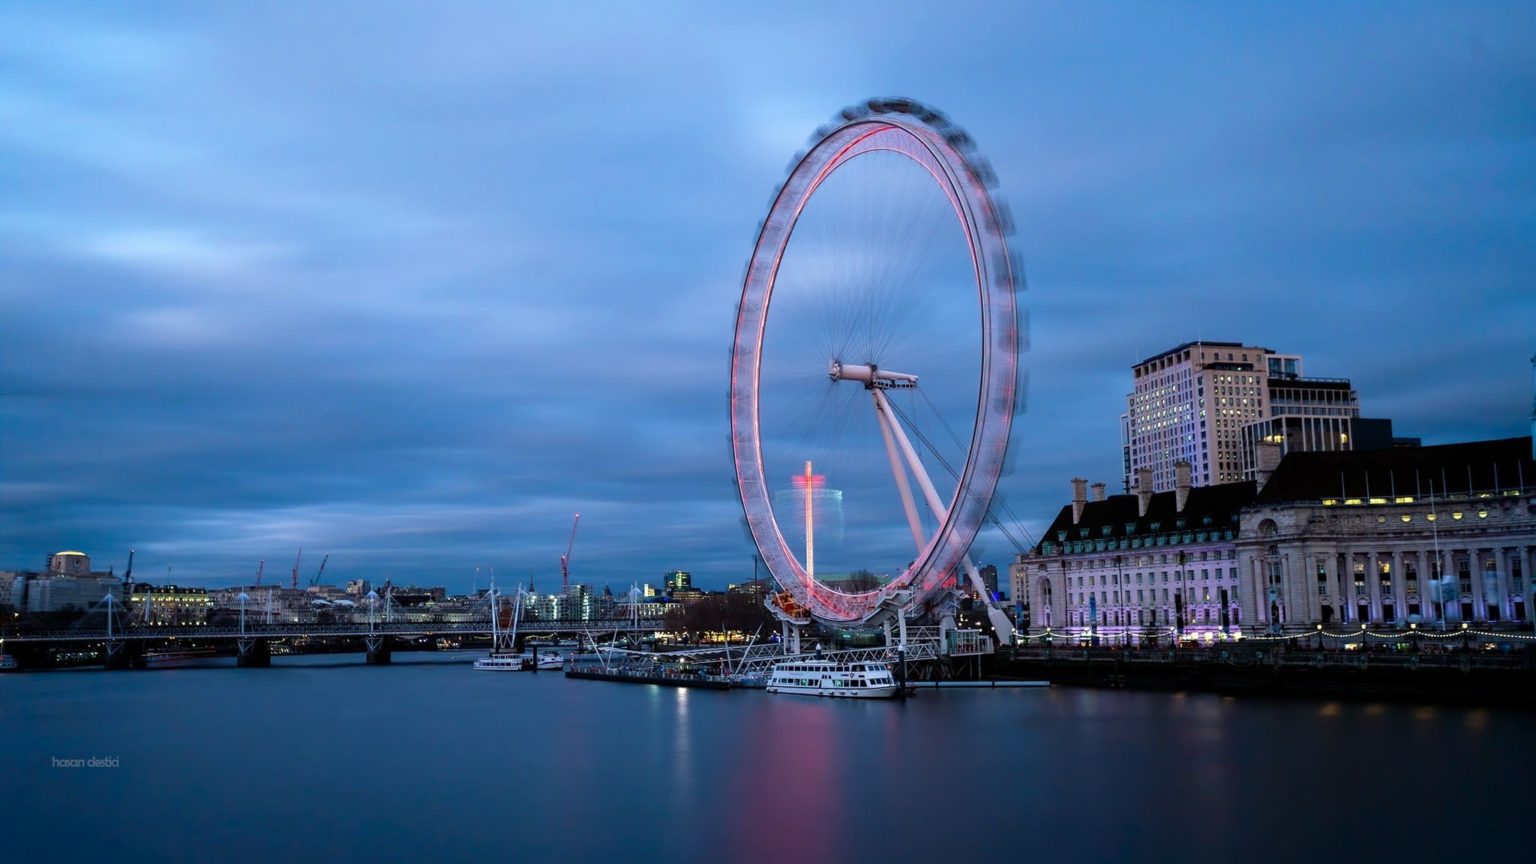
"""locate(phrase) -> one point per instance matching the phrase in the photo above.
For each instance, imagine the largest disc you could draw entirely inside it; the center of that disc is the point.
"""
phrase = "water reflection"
(569, 770)
(683, 769)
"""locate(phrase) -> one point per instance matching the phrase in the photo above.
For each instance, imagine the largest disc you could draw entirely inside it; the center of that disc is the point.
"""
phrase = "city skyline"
(412, 292)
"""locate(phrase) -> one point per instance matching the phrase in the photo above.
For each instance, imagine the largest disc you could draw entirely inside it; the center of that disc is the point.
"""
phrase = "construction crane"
(128, 574)
(316, 581)
(565, 560)
(294, 583)
(259, 568)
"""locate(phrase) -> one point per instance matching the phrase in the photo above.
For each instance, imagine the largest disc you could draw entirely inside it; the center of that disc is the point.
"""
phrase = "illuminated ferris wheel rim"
(944, 151)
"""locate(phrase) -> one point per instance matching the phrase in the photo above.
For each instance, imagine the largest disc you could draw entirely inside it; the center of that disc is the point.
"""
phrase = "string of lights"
(1291, 637)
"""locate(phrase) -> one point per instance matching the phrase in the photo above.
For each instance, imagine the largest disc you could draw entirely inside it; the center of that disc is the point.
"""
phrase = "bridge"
(126, 647)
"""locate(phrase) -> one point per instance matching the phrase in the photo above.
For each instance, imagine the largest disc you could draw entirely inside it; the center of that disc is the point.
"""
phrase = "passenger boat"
(851, 680)
(504, 663)
(520, 662)
(7, 662)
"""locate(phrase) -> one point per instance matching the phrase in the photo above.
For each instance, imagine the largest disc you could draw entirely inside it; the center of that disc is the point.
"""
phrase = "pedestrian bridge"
(126, 647)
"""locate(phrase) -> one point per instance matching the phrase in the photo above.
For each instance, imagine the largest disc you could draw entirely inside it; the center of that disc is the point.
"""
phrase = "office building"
(1190, 404)
(1213, 404)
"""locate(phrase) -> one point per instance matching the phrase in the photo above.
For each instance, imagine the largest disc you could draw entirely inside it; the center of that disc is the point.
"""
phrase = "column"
(1528, 582)
(1399, 589)
(1341, 571)
(1368, 578)
(1426, 599)
(1475, 565)
(1373, 583)
(1506, 584)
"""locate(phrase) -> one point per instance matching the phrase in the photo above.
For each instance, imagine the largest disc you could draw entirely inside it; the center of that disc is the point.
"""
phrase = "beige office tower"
(1191, 403)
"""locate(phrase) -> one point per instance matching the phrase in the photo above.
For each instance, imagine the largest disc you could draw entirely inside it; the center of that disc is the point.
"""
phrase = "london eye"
(877, 339)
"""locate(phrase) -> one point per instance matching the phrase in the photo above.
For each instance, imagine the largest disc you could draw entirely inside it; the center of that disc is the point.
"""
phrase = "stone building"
(1428, 536)
(1434, 536)
(169, 605)
(70, 563)
(1137, 568)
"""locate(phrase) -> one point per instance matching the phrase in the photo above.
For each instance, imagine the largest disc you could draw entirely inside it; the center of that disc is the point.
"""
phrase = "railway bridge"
(128, 646)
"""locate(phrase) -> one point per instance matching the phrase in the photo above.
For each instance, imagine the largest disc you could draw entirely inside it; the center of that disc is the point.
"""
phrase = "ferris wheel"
(877, 339)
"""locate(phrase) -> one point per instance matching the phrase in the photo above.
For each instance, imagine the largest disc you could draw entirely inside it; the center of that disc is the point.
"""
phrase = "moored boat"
(829, 678)
(7, 663)
(504, 663)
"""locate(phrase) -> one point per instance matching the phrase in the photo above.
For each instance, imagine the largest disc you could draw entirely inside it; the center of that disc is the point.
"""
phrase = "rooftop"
(1208, 507)
(1202, 342)
(1445, 469)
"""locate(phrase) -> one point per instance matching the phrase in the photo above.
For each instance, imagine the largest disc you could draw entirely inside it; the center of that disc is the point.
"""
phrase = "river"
(426, 760)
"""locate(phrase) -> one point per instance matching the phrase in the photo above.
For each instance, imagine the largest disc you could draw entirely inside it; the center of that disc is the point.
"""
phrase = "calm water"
(427, 760)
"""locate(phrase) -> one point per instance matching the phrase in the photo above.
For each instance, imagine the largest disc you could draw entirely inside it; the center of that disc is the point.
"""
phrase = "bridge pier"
(378, 650)
(123, 654)
(253, 653)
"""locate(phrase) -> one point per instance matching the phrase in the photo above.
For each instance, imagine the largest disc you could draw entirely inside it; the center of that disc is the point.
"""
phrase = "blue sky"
(410, 285)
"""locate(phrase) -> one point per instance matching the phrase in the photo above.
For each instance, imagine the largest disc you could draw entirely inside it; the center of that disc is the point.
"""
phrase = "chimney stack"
(1079, 498)
(1267, 457)
(1181, 485)
(1143, 491)
(1097, 491)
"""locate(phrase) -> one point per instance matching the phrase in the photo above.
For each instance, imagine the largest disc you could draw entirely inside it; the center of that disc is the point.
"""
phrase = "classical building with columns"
(1429, 536)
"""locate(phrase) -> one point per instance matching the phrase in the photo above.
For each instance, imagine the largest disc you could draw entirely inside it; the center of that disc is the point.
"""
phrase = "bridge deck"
(288, 631)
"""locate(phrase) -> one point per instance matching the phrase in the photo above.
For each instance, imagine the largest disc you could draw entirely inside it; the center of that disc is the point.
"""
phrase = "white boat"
(855, 680)
(7, 662)
(503, 663)
(552, 660)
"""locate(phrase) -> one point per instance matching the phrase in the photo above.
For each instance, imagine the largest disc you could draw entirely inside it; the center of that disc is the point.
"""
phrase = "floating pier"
(917, 685)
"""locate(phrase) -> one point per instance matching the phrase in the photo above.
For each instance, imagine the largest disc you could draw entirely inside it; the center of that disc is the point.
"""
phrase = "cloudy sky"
(412, 284)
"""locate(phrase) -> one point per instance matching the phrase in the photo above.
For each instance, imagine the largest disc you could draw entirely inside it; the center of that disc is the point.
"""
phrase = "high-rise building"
(678, 580)
(1190, 404)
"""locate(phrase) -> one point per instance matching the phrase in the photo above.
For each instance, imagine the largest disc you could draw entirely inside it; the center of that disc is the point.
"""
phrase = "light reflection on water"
(320, 758)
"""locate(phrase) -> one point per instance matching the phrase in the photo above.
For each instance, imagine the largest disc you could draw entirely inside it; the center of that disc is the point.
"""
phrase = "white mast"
(810, 535)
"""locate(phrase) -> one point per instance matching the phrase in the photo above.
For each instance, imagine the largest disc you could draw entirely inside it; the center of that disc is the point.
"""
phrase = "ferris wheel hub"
(872, 376)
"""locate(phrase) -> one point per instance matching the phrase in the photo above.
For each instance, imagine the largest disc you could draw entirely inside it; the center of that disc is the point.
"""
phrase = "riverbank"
(1467, 678)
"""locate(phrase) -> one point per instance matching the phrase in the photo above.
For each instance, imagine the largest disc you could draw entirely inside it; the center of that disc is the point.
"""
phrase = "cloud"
(412, 286)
